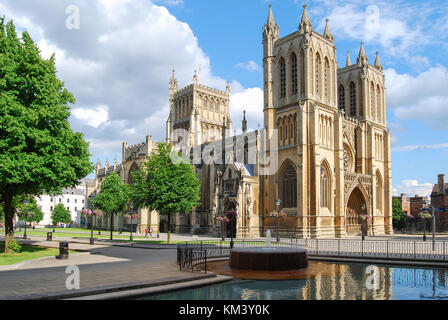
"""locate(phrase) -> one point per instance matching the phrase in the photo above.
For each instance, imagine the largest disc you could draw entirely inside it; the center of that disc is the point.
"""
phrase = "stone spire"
(349, 61)
(244, 122)
(228, 88)
(107, 163)
(362, 58)
(115, 162)
(305, 24)
(377, 62)
(173, 81)
(271, 21)
(327, 32)
(195, 78)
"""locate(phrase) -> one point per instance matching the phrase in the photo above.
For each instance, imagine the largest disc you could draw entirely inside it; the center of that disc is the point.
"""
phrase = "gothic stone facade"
(333, 145)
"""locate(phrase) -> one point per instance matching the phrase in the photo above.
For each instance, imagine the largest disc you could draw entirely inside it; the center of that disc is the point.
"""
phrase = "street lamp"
(363, 208)
(222, 223)
(277, 206)
(232, 221)
(26, 217)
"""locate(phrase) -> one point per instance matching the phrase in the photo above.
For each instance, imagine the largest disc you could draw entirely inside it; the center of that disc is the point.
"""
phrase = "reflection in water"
(343, 282)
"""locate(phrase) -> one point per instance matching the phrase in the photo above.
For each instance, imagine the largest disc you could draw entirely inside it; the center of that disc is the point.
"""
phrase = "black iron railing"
(380, 249)
(192, 259)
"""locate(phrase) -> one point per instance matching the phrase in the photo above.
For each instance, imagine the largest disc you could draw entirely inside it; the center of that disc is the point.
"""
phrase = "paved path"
(103, 268)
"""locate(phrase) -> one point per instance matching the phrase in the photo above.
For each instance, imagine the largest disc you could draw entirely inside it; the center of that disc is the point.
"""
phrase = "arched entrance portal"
(354, 210)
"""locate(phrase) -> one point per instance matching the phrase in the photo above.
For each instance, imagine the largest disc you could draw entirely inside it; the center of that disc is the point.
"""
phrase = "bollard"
(63, 250)
(49, 236)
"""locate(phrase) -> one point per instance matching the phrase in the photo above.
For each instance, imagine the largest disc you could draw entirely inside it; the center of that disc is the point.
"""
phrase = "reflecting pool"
(345, 282)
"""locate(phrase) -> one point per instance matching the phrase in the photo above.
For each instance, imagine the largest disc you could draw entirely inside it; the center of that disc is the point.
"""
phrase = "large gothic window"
(327, 79)
(352, 99)
(378, 103)
(379, 192)
(293, 74)
(290, 188)
(341, 92)
(317, 74)
(324, 187)
(302, 72)
(372, 100)
(282, 78)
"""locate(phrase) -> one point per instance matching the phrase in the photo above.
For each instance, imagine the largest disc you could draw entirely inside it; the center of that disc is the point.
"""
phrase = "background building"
(73, 199)
(405, 203)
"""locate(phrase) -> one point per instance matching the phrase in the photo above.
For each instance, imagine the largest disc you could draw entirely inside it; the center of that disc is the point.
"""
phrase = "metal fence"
(380, 249)
(192, 259)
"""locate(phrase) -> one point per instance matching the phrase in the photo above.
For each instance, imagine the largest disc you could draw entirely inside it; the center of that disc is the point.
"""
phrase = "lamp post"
(222, 223)
(363, 208)
(26, 218)
(277, 206)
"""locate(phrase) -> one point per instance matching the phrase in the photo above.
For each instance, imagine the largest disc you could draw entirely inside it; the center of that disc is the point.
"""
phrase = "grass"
(95, 236)
(28, 253)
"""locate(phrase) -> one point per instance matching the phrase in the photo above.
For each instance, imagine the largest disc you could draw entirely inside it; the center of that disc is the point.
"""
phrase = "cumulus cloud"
(251, 66)
(420, 147)
(250, 100)
(93, 117)
(412, 188)
(118, 64)
(422, 97)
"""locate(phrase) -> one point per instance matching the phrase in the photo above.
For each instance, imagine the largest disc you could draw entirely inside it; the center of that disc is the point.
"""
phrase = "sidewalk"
(104, 268)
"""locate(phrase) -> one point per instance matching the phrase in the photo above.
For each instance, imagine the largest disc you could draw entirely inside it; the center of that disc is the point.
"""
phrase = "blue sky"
(119, 62)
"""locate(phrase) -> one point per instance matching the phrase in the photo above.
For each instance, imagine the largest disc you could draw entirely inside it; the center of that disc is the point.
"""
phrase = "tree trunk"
(9, 220)
(169, 229)
(111, 225)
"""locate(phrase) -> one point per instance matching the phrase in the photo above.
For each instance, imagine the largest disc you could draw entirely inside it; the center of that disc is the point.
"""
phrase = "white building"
(73, 199)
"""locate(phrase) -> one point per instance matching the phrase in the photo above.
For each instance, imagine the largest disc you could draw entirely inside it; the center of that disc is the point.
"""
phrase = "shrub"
(15, 247)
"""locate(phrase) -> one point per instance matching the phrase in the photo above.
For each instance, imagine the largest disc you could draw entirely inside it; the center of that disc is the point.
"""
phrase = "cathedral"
(324, 130)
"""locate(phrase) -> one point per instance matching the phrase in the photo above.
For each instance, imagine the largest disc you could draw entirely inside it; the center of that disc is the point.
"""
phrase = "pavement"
(102, 268)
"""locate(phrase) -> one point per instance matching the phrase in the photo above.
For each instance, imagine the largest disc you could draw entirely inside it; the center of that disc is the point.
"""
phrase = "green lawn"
(104, 235)
(28, 253)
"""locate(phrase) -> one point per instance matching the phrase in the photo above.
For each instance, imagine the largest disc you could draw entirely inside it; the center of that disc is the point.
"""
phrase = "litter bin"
(63, 250)
(49, 236)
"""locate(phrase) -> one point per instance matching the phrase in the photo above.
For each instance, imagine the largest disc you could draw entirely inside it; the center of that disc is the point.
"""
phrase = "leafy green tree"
(164, 185)
(60, 215)
(113, 198)
(398, 216)
(39, 152)
(30, 211)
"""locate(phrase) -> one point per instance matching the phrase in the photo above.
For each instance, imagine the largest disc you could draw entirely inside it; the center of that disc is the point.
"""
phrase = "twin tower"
(333, 147)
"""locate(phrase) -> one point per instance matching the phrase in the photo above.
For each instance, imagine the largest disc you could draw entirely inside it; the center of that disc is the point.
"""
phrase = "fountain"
(268, 258)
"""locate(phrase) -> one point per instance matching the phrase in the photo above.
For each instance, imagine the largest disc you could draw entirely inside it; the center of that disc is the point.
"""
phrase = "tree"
(60, 215)
(29, 211)
(166, 186)
(113, 197)
(398, 216)
(39, 152)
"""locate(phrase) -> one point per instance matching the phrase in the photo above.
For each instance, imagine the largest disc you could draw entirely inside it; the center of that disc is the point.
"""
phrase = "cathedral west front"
(324, 125)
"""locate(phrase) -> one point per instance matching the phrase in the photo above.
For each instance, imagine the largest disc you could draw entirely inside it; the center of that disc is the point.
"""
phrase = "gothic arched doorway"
(354, 209)
(163, 226)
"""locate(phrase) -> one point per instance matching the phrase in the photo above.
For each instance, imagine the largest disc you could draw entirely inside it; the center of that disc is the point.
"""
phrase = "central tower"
(199, 110)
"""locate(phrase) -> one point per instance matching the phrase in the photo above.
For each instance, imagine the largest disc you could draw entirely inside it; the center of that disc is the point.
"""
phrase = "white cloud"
(412, 188)
(121, 57)
(251, 66)
(422, 97)
(93, 117)
(251, 100)
(420, 147)
(170, 3)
